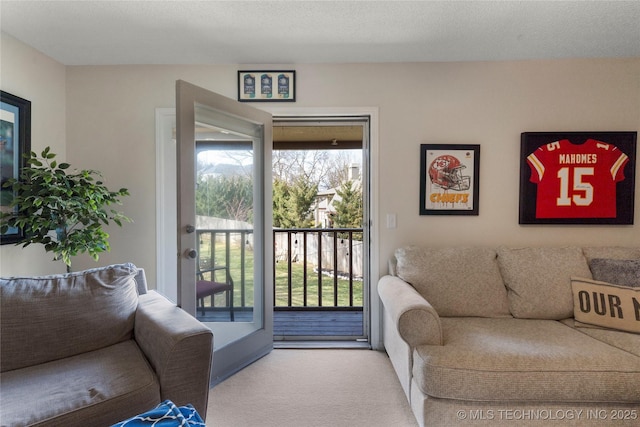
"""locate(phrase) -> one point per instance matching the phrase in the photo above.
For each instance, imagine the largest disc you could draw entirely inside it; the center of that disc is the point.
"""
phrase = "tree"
(229, 197)
(338, 169)
(71, 205)
(348, 206)
(280, 201)
(324, 168)
(292, 203)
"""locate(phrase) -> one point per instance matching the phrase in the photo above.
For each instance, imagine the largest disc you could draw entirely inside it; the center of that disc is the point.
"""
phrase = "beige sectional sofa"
(95, 347)
(487, 336)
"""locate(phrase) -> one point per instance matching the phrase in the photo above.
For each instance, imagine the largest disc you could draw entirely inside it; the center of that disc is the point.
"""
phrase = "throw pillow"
(166, 414)
(605, 304)
(539, 280)
(52, 317)
(623, 272)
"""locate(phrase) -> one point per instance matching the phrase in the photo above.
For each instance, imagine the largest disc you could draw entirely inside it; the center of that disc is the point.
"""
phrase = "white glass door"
(225, 243)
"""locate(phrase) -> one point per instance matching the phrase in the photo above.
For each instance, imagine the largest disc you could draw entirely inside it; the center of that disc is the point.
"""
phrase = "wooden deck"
(317, 324)
(293, 324)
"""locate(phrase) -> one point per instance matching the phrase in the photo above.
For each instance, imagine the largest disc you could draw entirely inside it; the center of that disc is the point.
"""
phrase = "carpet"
(312, 387)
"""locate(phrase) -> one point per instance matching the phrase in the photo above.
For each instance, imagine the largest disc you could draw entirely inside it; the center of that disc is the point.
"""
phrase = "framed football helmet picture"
(449, 179)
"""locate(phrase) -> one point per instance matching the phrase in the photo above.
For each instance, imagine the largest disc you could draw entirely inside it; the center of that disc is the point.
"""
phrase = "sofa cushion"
(611, 252)
(620, 339)
(605, 304)
(539, 280)
(104, 386)
(52, 317)
(455, 281)
(524, 360)
(624, 272)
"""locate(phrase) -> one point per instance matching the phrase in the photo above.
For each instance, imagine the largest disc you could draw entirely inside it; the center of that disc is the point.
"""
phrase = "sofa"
(518, 336)
(95, 347)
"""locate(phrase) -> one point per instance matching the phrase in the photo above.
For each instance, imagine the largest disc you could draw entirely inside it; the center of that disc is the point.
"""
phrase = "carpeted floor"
(307, 388)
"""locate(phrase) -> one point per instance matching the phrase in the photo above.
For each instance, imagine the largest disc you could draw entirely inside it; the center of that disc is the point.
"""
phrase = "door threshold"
(363, 345)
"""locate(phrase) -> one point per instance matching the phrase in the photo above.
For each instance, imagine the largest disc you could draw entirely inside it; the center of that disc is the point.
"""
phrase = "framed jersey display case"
(577, 177)
(449, 179)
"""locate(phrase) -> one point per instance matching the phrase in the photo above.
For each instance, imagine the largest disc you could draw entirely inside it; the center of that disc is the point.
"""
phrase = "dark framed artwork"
(449, 175)
(15, 141)
(266, 85)
(577, 177)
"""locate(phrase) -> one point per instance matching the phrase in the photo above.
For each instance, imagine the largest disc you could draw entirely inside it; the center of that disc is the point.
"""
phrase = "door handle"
(191, 253)
(190, 229)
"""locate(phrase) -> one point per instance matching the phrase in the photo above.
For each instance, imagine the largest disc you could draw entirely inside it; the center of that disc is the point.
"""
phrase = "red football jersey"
(577, 181)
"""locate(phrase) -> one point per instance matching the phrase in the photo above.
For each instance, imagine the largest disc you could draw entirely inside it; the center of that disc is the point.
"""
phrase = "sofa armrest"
(179, 349)
(416, 320)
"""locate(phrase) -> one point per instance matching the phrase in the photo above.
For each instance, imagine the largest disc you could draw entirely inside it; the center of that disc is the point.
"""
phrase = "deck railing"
(328, 263)
(314, 269)
(230, 248)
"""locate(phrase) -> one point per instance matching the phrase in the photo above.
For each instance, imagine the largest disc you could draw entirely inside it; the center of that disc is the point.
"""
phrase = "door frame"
(289, 112)
(165, 187)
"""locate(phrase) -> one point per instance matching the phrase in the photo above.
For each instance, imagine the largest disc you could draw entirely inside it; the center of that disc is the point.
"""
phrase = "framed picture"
(267, 86)
(577, 177)
(449, 179)
(15, 140)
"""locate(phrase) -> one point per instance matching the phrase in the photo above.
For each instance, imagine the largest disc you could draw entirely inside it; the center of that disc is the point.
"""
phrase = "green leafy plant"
(63, 211)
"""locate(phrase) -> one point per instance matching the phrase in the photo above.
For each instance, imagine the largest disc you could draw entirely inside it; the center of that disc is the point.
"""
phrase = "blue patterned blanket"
(166, 414)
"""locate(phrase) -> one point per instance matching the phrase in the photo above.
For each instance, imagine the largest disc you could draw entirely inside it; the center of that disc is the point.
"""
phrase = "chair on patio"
(210, 287)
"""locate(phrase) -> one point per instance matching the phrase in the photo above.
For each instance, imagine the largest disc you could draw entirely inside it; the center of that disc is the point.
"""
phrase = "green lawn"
(297, 288)
(281, 286)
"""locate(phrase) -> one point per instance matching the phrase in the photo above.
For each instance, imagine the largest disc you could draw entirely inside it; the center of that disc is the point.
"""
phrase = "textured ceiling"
(289, 32)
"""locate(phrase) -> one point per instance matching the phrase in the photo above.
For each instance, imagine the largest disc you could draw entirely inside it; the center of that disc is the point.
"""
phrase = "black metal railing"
(314, 269)
(229, 248)
(330, 263)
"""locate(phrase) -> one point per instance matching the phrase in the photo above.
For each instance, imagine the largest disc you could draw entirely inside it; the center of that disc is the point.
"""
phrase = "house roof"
(289, 32)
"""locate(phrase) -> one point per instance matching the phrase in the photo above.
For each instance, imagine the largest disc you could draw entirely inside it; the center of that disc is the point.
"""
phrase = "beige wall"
(111, 111)
(111, 127)
(27, 73)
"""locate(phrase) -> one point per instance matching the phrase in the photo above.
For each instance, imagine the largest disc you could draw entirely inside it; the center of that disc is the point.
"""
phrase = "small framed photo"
(449, 176)
(15, 141)
(577, 177)
(267, 86)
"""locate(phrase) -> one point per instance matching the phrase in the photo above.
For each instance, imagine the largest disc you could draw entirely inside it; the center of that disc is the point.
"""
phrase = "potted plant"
(65, 211)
